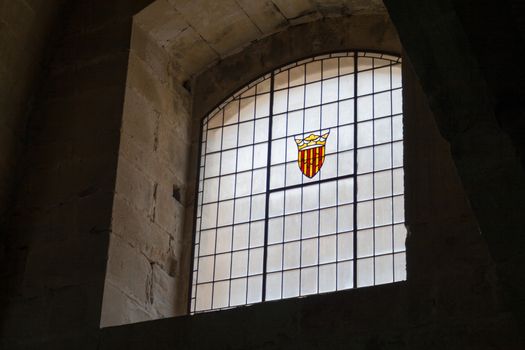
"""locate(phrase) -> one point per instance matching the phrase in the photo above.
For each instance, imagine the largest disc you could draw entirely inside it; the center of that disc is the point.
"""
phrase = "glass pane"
(262, 106)
(256, 261)
(345, 218)
(365, 134)
(365, 243)
(365, 214)
(400, 235)
(240, 236)
(383, 240)
(258, 207)
(327, 278)
(346, 87)
(204, 293)
(400, 273)
(280, 101)
(224, 240)
(330, 90)
(225, 216)
(239, 263)
(292, 255)
(330, 68)
(207, 242)
(384, 271)
(254, 289)
(327, 249)
(328, 194)
(243, 184)
(346, 65)
(309, 281)
(313, 71)
(345, 246)
(365, 187)
(328, 221)
(364, 108)
(383, 184)
(261, 130)
(382, 130)
(383, 212)
(382, 105)
(345, 275)
(309, 252)
(273, 286)
(365, 272)
(205, 269)
(290, 283)
(247, 109)
(222, 266)
(310, 197)
(275, 230)
(214, 140)
(297, 75)
(310, 224)
(381, 77)
(296, 98)
(292, 227)
(364, 83)
(274, 260)
(238, 292)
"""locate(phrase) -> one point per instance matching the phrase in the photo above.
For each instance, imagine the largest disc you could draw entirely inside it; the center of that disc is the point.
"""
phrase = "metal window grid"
(220, 252)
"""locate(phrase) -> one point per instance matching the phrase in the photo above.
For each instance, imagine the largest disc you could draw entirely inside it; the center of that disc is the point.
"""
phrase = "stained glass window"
(301, 184)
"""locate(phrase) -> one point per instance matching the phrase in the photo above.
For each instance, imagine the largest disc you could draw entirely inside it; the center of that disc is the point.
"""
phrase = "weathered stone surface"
(25, 29)
(264, 14)
(223, 25)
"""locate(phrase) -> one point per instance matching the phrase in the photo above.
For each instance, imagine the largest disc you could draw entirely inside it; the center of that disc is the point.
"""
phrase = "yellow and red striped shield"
(311, 153)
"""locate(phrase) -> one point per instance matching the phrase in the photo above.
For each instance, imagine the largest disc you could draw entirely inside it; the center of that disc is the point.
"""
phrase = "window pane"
(344, 220)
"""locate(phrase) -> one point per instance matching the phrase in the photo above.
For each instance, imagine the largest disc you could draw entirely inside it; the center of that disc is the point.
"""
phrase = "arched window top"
(301, 183)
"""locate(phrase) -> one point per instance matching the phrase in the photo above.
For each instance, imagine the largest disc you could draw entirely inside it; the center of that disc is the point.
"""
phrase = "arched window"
(301, 184)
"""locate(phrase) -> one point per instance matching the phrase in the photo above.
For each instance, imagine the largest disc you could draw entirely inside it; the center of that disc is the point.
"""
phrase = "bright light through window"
(301, 184)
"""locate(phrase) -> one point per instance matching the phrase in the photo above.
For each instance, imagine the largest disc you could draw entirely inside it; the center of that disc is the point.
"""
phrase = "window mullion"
(268, 168)
(355, 174)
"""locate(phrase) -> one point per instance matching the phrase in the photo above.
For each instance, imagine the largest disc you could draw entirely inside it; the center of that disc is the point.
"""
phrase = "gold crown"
(311, 141)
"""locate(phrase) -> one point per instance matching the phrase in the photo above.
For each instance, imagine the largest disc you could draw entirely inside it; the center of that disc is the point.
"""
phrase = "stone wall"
(465, 57)
(450, 300)
(58, 240)
(25, 30)
(149, 257)
(147, 276)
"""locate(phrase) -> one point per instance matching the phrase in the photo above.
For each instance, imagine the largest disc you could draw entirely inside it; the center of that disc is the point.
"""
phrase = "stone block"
(142, 79)
(230, 29)
(294, 9)
(118, 308)
(161, 21)
(134, 186)
(190, 54)
(163, 292)
(169, 212)
(128, 270)
(140, 120)
(139, 230)
(264, 15)
(151, 52)
(175, 151)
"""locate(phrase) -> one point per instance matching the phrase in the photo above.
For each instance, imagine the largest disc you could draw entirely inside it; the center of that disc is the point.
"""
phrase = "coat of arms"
(311, 153)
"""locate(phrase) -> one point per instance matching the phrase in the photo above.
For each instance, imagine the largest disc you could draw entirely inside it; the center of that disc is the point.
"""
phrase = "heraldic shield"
(311, 153)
